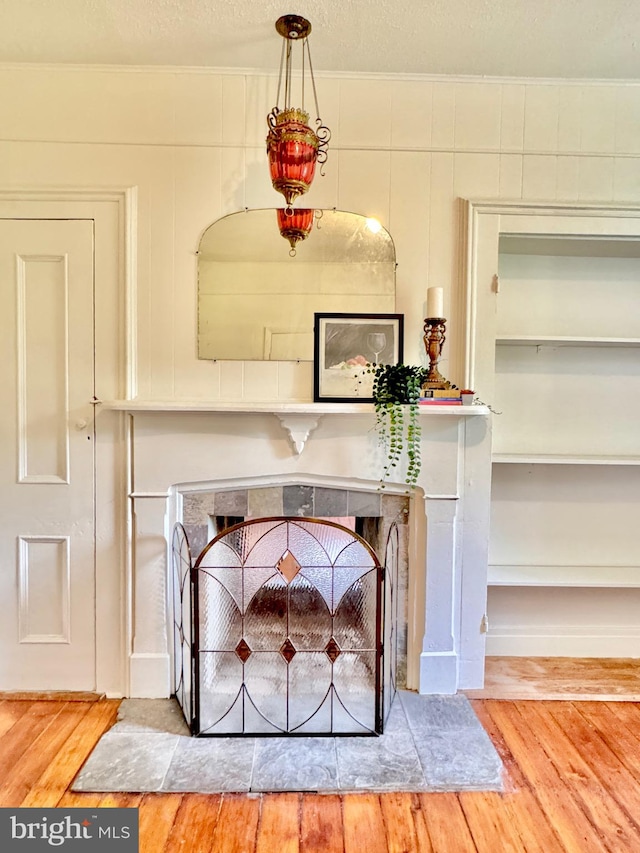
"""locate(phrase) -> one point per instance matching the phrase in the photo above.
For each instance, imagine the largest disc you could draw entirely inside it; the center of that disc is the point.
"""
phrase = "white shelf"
(568, 576)
(575, 245)
(561, 459)
(564, 341)
(275, 407)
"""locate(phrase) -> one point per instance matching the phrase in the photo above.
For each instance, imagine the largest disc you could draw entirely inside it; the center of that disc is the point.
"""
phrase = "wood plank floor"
(572, 776)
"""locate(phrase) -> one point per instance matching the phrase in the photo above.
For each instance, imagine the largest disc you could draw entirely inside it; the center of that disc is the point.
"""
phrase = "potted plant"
(396, 391)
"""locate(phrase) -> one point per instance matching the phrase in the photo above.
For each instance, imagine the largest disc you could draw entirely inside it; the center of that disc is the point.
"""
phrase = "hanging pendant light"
(295, 223)
(293, 146)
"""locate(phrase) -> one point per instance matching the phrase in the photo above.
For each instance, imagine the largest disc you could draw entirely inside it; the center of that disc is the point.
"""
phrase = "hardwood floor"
(572, 776)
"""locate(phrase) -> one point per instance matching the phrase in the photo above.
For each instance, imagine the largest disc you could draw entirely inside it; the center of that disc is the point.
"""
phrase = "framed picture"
(345, 345)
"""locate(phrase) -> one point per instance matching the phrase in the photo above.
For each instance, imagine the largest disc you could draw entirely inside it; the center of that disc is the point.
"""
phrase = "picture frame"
(344, 344)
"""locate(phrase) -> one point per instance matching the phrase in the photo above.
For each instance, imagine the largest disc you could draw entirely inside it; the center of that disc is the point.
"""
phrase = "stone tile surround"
(378, 511)
(303, 501)
(431, 743)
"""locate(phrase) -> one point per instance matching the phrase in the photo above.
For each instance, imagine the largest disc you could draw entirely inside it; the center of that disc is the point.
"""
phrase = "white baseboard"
(438, 673)
(149, 676)
(610, 641)
(470, 674)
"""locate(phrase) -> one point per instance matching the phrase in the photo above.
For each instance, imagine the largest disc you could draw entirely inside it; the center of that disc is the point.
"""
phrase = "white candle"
(435, 302)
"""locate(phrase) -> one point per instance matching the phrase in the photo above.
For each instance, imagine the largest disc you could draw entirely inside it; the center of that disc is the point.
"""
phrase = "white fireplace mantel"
(276, 407)
(184, 445)
(298, 419)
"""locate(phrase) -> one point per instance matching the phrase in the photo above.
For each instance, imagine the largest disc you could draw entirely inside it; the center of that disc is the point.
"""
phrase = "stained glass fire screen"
(278, 629)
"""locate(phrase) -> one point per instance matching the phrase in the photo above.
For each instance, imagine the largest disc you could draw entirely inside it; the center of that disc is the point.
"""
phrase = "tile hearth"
(431, 743)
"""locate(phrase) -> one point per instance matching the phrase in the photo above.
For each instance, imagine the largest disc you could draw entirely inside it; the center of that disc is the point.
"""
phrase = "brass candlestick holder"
(434, 337)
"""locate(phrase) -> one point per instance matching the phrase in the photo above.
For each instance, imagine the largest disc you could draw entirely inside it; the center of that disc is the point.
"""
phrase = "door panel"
(47, 583)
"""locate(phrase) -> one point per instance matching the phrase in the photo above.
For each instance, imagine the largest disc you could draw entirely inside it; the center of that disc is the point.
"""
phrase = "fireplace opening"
(286, 626)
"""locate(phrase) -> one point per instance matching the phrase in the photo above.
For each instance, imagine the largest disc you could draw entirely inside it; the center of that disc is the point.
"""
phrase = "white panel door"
(47, 567)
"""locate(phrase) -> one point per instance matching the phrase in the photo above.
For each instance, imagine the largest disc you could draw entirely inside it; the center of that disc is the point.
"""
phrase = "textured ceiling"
(515, 38)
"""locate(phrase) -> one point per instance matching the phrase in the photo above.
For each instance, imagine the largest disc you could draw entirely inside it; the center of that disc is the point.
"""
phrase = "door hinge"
(484, 624)
(495, 284)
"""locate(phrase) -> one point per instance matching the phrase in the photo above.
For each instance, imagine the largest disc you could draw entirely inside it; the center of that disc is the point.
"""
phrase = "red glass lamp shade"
(295, 223)
(292, 147)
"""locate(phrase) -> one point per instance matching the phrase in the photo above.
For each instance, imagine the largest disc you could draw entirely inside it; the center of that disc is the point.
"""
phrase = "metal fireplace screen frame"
(280, 629)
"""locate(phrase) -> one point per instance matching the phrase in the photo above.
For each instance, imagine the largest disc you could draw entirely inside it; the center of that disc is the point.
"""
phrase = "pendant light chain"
(305, 43)
(313, 82)
(287, 81)
(280, 74)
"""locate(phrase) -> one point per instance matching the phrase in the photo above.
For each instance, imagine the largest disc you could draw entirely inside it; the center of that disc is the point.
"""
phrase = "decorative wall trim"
(130, 272)
(22, 337)
(28, 632)
(197, 70)
(283, 479)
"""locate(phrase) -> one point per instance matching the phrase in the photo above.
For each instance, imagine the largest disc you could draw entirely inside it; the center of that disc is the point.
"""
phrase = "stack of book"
(440, 397)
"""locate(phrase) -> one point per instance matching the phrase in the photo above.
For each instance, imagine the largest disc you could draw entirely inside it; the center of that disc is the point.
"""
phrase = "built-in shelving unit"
(556, 299)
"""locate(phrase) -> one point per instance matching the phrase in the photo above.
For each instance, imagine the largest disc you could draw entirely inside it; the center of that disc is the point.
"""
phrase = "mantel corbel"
(299, 426)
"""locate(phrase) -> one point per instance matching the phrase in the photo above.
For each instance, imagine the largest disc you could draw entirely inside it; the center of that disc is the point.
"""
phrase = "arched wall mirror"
(256, 302)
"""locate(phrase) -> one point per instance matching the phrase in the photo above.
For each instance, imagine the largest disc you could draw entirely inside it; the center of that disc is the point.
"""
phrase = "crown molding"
(318, 74)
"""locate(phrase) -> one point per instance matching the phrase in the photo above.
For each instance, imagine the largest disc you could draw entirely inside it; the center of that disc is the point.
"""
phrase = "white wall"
(403, 150)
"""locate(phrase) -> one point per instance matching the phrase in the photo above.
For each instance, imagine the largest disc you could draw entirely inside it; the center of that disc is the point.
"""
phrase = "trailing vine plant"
(396, 391)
